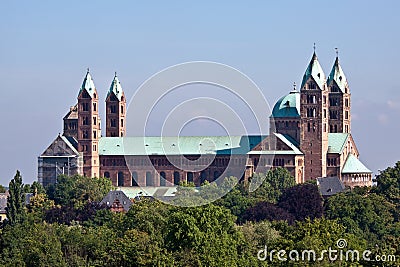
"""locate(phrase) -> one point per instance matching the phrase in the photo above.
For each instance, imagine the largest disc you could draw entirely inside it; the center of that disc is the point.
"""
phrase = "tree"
(302, 201)
(267, 211)
(77, 190)
(368, 214)
(30, 244)
(16, 200)
(34, 188)
(272, 184)
(2, 189)
(207, 233)
(388, 183)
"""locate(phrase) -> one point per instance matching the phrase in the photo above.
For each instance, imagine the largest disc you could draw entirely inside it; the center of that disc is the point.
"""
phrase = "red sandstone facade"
(310, 136)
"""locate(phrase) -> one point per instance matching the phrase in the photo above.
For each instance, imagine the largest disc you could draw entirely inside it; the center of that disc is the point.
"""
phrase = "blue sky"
(46, 47)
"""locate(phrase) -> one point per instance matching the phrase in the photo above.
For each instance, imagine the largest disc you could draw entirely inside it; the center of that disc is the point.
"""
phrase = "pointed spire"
(88, 84)
(337, 75)
(315, 71)
(294, 88)
(115, 87)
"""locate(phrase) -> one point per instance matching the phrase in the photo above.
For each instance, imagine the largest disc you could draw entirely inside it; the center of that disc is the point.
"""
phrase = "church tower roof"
(315, 71)
(88, 84)
(115, 88)
(337, 76)
(287, 106)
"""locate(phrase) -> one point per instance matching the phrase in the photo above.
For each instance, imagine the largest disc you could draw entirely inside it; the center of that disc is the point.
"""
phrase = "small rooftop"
(354, 165)
(329, 186)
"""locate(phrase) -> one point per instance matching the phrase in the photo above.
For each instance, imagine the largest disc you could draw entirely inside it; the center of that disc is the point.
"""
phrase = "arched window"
(120, 179)
(106, 174)
(149, 179)
(177, 178)
(134, 179)
(163, 179)
(189, 177)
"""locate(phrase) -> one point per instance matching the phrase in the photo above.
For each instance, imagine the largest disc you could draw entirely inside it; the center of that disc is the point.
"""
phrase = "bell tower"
(339, 100)
(115, 110)
(314, 120)
(89, 130)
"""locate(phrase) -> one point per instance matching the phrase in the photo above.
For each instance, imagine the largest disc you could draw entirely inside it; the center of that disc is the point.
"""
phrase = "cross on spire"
(314, 47)
(87, 70)
(337, 52)
(294, 86)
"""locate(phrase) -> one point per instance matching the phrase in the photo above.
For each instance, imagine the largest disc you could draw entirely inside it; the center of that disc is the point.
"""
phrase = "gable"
(60, 147)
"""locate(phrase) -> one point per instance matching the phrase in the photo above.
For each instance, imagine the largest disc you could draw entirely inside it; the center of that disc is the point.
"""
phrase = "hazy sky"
(46, 46)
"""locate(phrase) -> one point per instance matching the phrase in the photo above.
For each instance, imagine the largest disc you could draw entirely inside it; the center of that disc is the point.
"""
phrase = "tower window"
(113, 123)
(122, 122)
(85, 121)
(312, 85)
(113, 109)
(85, 135)
(347, 115)
(85, 106)
(94, 134)
(94, 121)
(122, 109)
(94, 107)
(308, 127)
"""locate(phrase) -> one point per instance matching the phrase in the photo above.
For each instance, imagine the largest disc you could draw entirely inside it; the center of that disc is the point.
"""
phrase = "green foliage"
(302, 201)
(77, 190)
(152, 233)
(388, 183)
(272, 184)
(2, 189)
(368, 215)
(34, 188)
(30, 244)
(16, 200)
(207, 233)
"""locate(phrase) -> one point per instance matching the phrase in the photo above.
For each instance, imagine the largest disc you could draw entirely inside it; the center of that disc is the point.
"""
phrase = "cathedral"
(310, 136)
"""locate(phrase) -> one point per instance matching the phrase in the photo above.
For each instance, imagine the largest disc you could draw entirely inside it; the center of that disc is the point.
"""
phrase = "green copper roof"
(115, 88)
(315, 71)
(88, 85)
(354, 165)
(337, 76)
(287, 106)
(337, 142)
(186, 145)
